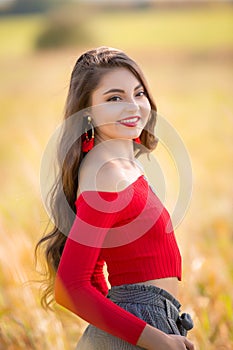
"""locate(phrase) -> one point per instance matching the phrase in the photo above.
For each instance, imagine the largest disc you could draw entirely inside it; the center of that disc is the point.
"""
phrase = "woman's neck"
(115, 149)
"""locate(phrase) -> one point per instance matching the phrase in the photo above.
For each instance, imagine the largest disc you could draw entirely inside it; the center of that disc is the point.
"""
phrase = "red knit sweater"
(131, 231)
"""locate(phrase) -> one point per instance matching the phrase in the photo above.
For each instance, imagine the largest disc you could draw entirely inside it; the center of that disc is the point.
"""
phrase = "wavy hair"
(85, 78)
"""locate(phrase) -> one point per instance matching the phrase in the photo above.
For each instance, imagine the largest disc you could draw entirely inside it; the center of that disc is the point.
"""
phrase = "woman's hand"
(178, 342)
(154, 339)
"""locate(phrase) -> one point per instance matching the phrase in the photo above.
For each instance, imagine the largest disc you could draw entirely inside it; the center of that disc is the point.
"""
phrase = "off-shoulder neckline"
(141, 177)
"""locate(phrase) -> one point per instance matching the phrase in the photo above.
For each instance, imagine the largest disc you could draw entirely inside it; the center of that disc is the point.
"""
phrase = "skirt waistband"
(136, 292)
(152, 295)
(142, 294)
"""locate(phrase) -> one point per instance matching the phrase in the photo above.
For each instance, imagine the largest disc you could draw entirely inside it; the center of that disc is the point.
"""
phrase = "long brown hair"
(86, 75)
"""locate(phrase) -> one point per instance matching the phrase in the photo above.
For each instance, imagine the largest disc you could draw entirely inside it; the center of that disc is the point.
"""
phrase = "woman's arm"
(74, 291)
(74, 287)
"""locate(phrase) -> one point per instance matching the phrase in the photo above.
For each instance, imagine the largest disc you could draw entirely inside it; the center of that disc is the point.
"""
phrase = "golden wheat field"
(187, 56)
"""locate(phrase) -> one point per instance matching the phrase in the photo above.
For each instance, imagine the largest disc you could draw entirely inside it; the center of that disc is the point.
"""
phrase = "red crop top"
(131, 231)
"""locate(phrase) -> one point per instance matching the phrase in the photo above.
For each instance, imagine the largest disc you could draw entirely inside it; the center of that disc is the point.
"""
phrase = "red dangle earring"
(88, 142)
(137, 140)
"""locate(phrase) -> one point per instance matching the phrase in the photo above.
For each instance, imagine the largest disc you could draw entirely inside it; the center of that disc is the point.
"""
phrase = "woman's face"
(120, 108)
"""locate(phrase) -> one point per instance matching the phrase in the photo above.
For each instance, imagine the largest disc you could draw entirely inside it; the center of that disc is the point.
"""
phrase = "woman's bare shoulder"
(107, 178)
(97, 173)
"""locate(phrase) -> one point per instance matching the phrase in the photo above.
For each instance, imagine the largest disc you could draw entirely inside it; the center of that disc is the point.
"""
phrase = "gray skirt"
(152, 304)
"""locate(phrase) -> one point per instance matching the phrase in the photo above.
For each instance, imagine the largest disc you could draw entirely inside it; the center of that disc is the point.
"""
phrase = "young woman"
(103, 202)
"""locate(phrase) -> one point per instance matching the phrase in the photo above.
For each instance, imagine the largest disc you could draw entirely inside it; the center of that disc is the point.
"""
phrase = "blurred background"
(185, 49)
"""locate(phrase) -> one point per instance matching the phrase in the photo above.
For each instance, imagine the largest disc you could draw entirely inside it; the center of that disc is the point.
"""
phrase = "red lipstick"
(129, 121)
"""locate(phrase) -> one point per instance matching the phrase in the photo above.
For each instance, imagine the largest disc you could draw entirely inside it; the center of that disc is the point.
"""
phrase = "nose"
(132, 106)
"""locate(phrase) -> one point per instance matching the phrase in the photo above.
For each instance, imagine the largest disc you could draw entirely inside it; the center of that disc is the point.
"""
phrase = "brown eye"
(114, 98)
(141, 93)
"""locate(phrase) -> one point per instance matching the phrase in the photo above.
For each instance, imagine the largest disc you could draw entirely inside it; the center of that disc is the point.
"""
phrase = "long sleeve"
(75, 288)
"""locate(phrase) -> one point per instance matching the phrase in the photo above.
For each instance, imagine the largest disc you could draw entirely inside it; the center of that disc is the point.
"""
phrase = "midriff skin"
(170, 284)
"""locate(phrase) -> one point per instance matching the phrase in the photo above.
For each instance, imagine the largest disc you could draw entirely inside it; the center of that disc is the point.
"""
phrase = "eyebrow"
(119, 90)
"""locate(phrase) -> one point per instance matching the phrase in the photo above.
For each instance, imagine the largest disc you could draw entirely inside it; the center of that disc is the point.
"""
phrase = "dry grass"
(194, 93)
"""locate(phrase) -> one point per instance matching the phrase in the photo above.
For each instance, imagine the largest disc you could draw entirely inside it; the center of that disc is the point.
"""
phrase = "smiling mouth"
(131, 121)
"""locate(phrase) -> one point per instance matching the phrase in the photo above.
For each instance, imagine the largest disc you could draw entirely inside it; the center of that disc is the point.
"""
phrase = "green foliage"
(198, 32)
(65, 26)
(27, 6)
